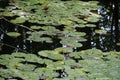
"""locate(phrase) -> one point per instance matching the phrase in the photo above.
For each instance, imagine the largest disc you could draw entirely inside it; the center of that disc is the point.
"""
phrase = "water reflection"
(105, 42)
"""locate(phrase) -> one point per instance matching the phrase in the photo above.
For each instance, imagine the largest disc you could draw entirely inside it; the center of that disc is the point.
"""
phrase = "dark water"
(110, 22)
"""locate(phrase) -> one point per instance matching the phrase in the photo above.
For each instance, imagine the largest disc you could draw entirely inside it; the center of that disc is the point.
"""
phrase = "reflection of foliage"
(91, 64)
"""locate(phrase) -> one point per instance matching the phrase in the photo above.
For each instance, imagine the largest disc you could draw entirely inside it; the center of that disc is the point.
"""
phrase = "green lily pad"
(92, 19)
(6, 73)
(25, 67)
(35, 27)
(13, 34)
(63, 50)
(51, 55)
(92, 54)
(48, 72)
(19, 20)
(1, 78)
(36, 36)
(90, 25)
(75, 55)
(118, 44)
(70, 43)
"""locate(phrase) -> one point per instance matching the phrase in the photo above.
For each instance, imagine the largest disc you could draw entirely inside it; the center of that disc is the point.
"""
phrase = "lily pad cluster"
(49, 19)
(61, 64)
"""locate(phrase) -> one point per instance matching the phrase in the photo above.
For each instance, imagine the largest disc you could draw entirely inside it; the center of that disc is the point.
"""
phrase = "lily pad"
(13, 34)
(35, 27)
(75, 55)
(118, 44)
(63, 50)
(51, 54)
(70, 43)
(18, 20)
(100, 31)
(37, 37)
(92, 19)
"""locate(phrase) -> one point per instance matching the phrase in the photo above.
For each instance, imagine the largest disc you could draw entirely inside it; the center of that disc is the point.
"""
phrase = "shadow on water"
(110, 22)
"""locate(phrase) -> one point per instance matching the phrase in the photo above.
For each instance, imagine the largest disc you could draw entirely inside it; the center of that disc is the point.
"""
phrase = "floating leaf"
(70, 43)
(91, 54)
(35, 27)
(90, 25)
(63, 50)
(75, 55)
(25, 67)
(101, 31)
(66, 22)
(19, 20)
(51, 55)
(92, 19)
(6, 73)
(36, 36)
(1, 78)
(13, 34)
(46, 72)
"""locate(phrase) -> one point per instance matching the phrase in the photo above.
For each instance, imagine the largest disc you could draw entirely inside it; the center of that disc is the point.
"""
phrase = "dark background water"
(109, 22)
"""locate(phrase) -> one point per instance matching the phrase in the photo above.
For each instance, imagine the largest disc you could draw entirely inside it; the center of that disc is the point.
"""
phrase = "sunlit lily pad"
(13, 34)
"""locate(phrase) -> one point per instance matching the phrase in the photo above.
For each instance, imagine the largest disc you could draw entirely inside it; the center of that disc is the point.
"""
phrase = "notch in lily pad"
(13, 34)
